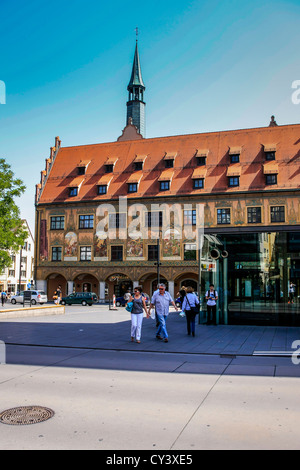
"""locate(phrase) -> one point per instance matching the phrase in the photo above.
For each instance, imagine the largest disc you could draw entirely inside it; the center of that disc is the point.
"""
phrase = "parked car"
(83, 298)
(37, 297)
(120, 301)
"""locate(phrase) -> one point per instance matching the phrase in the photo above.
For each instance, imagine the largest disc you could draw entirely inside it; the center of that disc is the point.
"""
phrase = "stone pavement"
(104, 337)
(208, 392)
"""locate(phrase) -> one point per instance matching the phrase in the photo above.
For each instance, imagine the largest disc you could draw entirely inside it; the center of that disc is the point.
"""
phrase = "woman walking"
(190, 307)
(139, 305)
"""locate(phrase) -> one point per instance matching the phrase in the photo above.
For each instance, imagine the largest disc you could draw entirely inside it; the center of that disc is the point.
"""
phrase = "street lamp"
(158, 263)
(20, 267)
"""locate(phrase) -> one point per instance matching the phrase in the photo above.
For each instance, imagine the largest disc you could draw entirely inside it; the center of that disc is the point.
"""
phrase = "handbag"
(152, 313)
(129, 306)
(195, 309)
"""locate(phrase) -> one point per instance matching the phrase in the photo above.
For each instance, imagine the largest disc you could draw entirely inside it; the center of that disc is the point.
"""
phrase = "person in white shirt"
(190, 306)
(211, 297)
(161, 300)
(291, 292)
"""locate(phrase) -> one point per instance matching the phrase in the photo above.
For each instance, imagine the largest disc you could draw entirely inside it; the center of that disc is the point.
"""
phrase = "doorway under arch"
(53, 281)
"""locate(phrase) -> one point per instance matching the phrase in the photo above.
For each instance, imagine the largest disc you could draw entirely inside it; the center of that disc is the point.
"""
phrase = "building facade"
(114, 215)
(20, 274)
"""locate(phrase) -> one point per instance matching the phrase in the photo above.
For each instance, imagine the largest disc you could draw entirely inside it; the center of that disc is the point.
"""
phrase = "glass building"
(258, 279)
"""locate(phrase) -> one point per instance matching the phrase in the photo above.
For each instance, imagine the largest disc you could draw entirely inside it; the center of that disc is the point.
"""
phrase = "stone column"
(70, 286)
(101, 292)
(171, 288)
(41, 284)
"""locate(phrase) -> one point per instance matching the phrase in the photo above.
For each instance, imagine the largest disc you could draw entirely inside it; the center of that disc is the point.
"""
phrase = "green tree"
(12, 231)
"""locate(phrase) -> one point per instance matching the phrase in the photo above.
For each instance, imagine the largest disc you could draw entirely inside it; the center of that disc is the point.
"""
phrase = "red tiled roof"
(217, 146)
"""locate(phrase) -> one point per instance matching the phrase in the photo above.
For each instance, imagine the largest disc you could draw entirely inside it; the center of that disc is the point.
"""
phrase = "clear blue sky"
(207, 66)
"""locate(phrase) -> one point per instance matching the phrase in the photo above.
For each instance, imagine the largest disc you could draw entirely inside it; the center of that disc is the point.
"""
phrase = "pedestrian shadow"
(107, 346)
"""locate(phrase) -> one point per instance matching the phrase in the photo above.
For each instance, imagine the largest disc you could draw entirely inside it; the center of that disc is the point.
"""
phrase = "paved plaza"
(229, 387)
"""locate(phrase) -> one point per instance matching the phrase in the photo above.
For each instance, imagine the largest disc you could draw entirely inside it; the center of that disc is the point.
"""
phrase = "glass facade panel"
(259, 281)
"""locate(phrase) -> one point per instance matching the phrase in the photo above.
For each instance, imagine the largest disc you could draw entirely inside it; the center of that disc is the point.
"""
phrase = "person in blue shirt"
(161, 300)
(190, 308)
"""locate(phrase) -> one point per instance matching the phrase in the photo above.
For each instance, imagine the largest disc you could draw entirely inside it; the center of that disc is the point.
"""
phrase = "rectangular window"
(190, 251)
(23, 274)
(254, 215)
(86, 221)
(154, 219)
(152, 252)
(85, 253)
(189, 217)
(11, 272)
(235, 158)
(57, 223)
(73, 191)
(270, 156)
(102, 189)
(109, 168)
(278, 214)
(56, 253)
(271, 179)
(138, 166)
(233, 181)
(116, 253)
(223, 216)
(201, 161)
(164, 185)
(169, 163)
(117, 220)
(198, 183)
(81, 170)
(132, 187)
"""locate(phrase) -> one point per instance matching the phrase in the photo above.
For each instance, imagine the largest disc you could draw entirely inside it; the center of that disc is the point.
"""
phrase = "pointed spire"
(136, 74)
(136, 88)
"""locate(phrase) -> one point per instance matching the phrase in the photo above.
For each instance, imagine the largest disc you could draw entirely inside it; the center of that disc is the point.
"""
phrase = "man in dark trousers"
(211, 297)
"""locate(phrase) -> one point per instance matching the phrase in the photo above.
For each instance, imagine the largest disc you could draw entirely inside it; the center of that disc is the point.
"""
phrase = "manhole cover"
(25, 415)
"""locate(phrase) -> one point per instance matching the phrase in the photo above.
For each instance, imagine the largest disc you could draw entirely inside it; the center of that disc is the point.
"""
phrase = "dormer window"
(132, 187)
(73, 191)
(164, 185)
(169, 163)
(271, 172)
(103, 184)
(74, 186)
(109, 164)
(169, 159)
(198, 183)
(201, 156)
(270, 151)
(138, 166)
(270, 156)
(102, 189)
(165, 180)
(138, 162)
(198, 177)
(201, 161)
(235, 158)
(82, 167)
(133, 181)
(109, 168)
(233, 181)
(81, 170)
(234, 154)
